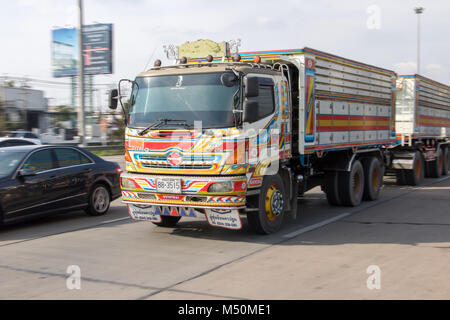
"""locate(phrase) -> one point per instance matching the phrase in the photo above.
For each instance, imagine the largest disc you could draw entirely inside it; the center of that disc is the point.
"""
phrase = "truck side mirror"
(113, 99)
(251, 87)
(250, 111)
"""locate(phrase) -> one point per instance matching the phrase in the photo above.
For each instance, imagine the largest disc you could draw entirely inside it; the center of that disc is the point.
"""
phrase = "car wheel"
(99, 201)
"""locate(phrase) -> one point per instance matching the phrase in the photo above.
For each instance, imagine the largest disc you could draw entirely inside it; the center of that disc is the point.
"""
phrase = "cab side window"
(70, 157)
(266, 98)
(266, 101)
(40, 161)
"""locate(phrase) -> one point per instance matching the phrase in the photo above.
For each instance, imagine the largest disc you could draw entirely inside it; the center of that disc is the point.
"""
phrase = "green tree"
(119, 122)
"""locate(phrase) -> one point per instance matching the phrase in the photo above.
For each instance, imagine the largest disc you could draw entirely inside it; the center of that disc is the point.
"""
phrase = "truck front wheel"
(269, 218)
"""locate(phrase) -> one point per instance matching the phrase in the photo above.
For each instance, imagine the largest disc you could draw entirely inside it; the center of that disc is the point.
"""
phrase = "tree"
(119, 123)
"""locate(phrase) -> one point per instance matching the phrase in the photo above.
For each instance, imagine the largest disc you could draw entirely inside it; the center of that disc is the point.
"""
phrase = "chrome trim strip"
(42, 204)
(213, 178)
(182, 206)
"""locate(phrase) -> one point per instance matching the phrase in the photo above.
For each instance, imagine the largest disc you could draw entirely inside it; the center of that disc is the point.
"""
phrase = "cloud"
(408, 67)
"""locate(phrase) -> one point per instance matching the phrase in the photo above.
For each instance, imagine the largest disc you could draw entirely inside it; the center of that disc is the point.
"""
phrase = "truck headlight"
(128, 184)
(221, 187)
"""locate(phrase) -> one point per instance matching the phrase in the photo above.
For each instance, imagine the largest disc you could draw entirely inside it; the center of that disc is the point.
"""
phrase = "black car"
(37, 180)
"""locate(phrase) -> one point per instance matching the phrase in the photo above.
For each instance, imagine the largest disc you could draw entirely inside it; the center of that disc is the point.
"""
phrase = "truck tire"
(351, 185)
(435, 167)
(271, 204)
(446, 158)
(373, 178)
(167, 221)
(415, 176)
(331, 187)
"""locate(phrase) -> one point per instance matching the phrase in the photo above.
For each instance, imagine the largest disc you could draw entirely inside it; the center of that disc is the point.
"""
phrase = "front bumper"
(194, 192)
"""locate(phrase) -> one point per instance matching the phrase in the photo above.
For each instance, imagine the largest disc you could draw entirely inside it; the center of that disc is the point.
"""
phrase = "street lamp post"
(418, 11)
(81, 122)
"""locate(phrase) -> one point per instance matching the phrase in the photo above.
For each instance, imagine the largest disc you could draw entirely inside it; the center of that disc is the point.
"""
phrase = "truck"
(230, 138)
(422, 129)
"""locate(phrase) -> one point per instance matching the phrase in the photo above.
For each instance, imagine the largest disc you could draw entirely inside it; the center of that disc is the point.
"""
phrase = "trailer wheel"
(435, 167)
(269, 218)
(167, 221)
(373, 178)
(331, 188)
(446, 158)
(351, 185)
(415, 176)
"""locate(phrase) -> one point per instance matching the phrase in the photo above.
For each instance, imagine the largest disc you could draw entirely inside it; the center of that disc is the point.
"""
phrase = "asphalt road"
(324, 254)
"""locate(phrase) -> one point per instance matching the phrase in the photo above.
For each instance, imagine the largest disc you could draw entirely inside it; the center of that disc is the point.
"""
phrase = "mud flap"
(294, 202)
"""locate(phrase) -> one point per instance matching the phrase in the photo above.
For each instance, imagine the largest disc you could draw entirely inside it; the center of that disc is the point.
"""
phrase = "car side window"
(40, 161)
(70, 157)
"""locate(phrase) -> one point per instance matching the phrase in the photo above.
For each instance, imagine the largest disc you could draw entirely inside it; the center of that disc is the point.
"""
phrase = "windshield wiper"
(164, 121)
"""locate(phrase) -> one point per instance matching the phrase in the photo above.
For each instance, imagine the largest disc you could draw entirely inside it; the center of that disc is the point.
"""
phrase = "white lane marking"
(315, 226)
(442, 179)
(115, 220)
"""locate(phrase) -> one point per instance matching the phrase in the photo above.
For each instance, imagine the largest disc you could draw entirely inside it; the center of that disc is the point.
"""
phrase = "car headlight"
(128, 184)
(221, 187)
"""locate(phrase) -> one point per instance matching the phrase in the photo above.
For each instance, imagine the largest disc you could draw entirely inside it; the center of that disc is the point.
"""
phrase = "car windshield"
(188, 98)
(10, 160)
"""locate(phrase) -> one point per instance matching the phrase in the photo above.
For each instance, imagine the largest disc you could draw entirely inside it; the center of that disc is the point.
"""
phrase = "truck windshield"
(188, 97)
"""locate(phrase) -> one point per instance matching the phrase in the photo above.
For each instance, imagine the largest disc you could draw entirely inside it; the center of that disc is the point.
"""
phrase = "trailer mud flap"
(144, 213)
(228, 219)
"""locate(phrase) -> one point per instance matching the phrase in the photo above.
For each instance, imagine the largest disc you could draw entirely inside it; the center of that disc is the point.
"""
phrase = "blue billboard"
(97, 50)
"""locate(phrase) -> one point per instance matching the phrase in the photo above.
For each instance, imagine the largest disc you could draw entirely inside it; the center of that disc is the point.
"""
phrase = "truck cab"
(200, 140)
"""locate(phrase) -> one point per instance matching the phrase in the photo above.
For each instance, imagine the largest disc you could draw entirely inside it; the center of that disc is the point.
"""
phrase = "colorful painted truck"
(423, 129)
(222, 139)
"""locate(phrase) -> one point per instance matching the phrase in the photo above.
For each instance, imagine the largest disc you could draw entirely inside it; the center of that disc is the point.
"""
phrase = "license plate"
(168, 185)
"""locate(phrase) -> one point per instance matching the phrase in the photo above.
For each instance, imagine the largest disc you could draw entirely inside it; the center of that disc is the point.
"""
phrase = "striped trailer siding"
(423, 108)
(354, 104)
(343, 103)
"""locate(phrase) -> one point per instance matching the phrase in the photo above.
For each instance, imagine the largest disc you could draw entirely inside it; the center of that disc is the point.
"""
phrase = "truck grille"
(186, 158)
(182, 166)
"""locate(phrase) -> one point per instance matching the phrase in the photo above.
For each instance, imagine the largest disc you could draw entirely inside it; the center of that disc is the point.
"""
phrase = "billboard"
(64, 52)
(97, 50)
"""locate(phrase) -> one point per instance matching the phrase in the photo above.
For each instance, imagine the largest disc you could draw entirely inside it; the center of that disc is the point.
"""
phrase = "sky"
(378, 32)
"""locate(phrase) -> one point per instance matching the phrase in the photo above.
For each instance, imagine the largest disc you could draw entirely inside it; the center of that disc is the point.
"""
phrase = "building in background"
(23, 108)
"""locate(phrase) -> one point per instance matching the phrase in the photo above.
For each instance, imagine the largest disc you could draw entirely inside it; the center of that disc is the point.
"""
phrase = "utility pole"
(81, 118)
(418, 11)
